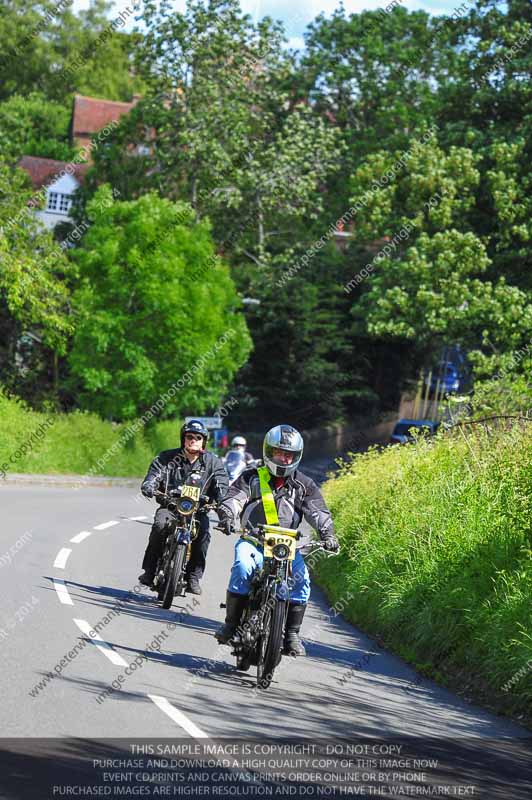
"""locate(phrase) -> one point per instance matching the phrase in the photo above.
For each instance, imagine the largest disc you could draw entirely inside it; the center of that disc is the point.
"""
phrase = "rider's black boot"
(235, 605)
(149, 565)
(292, 643)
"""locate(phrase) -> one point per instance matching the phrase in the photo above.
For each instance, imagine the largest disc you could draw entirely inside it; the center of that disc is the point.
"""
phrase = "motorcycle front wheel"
(270, 644)
(174, 574)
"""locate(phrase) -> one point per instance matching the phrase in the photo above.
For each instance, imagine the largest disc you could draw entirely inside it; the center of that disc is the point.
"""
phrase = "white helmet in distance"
(282, 437)
(238, 441)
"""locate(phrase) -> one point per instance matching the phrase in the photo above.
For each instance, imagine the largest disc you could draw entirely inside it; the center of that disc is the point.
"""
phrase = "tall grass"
(73, 443)
(436, 549)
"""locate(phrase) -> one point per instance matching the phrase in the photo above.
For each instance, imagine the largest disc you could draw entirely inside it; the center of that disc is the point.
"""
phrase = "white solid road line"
(137, 519)
(178, 716)
(61, 558)
(98, 642)
(105, 525)
(80, 537)
(62, 592)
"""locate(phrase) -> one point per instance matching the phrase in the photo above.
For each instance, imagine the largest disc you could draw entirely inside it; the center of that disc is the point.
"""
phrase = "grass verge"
(436, 551)
(76, 443)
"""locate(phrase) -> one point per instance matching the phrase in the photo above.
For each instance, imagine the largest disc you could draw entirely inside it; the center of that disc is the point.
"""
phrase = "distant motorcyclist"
(289, 495)
(169, 471)
(239, 445)
(237, 459)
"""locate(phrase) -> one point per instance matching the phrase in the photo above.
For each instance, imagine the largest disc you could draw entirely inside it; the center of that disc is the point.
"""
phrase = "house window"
(65, 201)
(60, 203)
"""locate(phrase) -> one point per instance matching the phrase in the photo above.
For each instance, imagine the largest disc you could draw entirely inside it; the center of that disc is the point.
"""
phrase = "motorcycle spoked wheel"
(174, 576)
(160, 584)
(270, 644)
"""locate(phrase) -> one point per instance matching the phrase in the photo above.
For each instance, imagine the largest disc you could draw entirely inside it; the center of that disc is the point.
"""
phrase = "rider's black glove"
(227, 522)
(331, 543)
(148, 491)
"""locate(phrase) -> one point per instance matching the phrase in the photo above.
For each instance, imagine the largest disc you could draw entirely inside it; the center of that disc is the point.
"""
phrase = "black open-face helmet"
(194, 426)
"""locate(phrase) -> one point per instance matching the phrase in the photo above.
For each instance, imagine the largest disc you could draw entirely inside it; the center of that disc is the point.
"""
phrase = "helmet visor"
(281, 457)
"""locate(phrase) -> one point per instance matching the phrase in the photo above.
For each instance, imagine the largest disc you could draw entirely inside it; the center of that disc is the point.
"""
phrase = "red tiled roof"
(43, 170)
(90, 114)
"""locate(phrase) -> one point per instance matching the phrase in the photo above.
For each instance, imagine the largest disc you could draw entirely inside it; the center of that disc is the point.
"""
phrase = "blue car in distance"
(448, 378)
(402, 432)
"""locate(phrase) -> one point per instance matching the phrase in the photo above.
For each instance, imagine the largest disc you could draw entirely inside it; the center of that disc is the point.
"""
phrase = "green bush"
(436, 545)
(74, 443)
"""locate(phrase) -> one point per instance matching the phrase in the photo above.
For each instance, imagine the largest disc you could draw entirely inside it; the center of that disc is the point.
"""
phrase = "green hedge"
(42, 443)
(436, 550)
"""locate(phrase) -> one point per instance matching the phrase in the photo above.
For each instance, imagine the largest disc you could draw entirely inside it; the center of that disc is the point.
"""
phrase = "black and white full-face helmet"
(238, 441)
(282, 437)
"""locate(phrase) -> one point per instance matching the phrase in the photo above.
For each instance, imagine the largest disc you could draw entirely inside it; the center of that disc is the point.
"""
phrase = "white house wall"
(67, 185)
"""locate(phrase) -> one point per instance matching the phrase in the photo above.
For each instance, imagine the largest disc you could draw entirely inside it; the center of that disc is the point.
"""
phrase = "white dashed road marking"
(105, 525)
(80, 536)
(178, 717)
(98, 642)
(61, 558)
(62, 592)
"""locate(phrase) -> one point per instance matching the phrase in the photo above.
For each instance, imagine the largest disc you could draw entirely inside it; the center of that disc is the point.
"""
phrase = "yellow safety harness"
(268, 503)
(268, 500)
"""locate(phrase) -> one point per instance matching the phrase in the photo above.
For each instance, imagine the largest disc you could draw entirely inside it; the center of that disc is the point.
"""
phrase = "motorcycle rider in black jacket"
(169, 471)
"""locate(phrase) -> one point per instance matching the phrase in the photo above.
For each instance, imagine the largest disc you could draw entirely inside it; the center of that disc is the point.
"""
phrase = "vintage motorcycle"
(184, 503)
(259, 637)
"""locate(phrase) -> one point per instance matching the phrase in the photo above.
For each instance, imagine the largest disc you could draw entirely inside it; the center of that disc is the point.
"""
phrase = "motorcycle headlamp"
(281, 552)
(185, 506)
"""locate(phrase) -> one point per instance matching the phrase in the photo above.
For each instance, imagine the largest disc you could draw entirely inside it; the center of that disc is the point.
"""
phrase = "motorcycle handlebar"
(204, 502)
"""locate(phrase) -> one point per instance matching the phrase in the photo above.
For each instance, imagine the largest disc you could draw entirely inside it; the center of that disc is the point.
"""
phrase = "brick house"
(89, 116)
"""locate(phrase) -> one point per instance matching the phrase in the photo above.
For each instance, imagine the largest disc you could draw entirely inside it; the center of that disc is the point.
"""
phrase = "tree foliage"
(153, 303)
(270, 153)
(34, 126)
(34, 299)
(46, 45)
(429, 286)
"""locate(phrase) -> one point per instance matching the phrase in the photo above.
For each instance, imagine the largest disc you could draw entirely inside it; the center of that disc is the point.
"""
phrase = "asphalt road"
(54, 590)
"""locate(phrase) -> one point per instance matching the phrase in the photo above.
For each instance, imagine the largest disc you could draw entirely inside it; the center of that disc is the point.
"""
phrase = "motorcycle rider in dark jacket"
(296, 496)
(169, 471)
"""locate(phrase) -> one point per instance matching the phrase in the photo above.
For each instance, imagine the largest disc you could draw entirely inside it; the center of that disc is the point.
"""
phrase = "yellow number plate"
(193, 492)
(274, 535)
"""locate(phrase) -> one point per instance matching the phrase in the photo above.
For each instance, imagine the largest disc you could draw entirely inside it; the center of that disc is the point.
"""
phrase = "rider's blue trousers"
(248, 557)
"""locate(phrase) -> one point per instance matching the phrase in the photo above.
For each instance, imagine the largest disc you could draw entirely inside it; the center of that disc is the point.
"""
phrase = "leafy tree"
(374, 75)
(428, 284)
(217, 128)
(488, 108)
(34, 126)
(303, 369)
(153, 303)
(220, 130)
(46, 45)
(34, 312)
